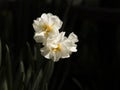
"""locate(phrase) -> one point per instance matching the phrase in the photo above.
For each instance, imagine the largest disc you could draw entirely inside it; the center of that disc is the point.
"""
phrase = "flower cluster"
(55, 44)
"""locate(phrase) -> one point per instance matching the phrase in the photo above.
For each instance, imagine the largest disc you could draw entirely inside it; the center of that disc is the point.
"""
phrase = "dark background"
(96, 65)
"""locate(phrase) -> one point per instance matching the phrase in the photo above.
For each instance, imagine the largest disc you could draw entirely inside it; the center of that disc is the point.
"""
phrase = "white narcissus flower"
(56, 44)
(47, 25)
(60, 47)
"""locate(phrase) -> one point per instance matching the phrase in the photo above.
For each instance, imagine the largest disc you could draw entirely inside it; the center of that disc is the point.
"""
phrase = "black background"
(96, 65)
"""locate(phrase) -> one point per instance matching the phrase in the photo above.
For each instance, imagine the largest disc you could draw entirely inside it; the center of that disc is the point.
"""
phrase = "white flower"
(47, 25)
(55, 45)
(60, 47)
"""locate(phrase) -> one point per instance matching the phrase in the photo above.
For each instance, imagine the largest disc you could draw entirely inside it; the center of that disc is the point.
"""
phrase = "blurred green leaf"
(2, 77)
(37, 80)
(77, 83)
(44, 76)
(47, 73)
(35, 52)
(65, 73)
(30, 55)
(0, 52)
(9, 68)
(46, 86)
(22, 70)
(5, 85)
(48, 70)
(28, 76)
(20, 77)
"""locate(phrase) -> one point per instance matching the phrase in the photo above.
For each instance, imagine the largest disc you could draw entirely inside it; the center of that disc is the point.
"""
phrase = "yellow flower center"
(46, 28)
(57, 49)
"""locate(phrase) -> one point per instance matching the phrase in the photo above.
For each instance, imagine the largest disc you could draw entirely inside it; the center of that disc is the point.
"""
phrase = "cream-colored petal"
(36, 28)
(73, 37)
(45, 52)
(64, 52)
(57, 56)
(56, 22)
(73, 49)
(39, 37)
(44, 17)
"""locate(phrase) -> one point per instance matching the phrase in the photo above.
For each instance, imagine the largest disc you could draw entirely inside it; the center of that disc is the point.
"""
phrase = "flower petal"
(73, 37)
(44, 17)
(45, 52)
(39, 37)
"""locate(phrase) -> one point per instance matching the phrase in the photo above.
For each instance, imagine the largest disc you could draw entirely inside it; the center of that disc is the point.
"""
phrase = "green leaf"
(77, 83)
(44, 76)
(47, 73)
(30, 55)
(9, 68)
(22, 70)
(5, 85)
(29, 50)
(37, 80)
(20, 77)
(65, 74)
(0, 52)
(46, 86)
(28, 76)
(35, 53)
(48, 70)
(2, 76)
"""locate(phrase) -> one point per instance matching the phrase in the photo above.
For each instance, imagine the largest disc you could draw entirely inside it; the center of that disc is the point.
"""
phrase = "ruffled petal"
(73, 37)
(39, 37)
